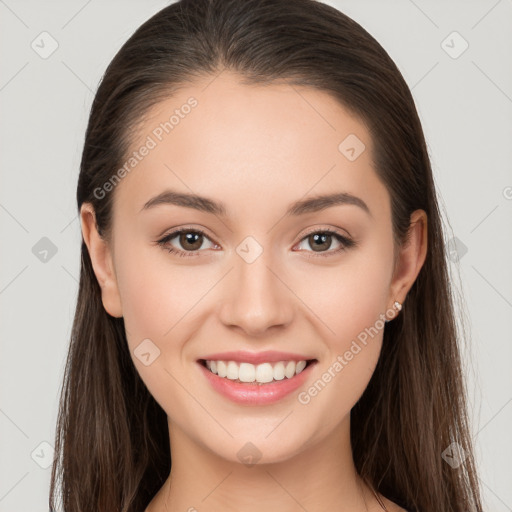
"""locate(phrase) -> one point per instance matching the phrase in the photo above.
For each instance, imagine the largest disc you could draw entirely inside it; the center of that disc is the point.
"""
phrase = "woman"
(264, 297)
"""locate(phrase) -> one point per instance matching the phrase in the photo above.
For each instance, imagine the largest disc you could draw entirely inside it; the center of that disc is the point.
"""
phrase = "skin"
(257, 149)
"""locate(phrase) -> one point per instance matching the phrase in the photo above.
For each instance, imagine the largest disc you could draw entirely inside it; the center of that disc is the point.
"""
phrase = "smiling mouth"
(279, 376)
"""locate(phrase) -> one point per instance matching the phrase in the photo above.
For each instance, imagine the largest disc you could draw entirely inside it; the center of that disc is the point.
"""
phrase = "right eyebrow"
(188, 201)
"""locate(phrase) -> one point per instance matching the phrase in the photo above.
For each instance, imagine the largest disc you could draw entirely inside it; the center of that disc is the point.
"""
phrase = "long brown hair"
(112, 441)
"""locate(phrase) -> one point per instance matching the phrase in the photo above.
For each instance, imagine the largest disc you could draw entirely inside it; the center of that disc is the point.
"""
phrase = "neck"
(318, 477)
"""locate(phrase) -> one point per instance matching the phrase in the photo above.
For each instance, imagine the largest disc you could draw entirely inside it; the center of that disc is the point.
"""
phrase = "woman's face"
(258, 279)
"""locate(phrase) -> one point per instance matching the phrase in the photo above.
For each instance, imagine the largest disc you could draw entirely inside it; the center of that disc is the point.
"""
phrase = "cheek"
(350, 302)
(349, 298)
(162, 302)
(158, 308)
(155, 294)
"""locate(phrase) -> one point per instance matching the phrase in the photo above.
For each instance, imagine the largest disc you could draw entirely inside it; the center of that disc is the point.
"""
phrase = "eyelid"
(331, 230)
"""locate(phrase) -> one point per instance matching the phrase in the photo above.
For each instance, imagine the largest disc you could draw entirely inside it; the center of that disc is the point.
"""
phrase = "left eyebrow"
(205, 204)
(322, 202)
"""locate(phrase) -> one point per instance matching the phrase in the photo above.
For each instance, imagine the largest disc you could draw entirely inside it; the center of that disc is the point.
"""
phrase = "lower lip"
(254, 393)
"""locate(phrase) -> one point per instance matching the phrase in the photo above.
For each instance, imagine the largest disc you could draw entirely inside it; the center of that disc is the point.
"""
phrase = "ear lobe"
(411, 258)
(102, 263)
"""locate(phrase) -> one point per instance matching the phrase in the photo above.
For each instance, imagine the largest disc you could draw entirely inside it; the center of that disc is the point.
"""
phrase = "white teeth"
(290, 369)
(261, 373)
(300, 366)
(247, 372)
(221, 369)
(279, 371)
(232, 371)
(264, 373)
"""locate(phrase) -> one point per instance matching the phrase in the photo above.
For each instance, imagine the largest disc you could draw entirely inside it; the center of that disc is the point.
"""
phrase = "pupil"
(191, 239)
(322, 238)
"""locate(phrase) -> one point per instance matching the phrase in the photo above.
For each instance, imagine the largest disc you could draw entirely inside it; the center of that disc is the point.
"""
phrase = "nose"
(256, 297)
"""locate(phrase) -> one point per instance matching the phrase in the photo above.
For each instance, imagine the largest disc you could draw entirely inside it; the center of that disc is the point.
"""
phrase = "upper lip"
(242, 356)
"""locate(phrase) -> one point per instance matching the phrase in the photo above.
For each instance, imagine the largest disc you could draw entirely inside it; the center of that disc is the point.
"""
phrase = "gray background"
(465, 104)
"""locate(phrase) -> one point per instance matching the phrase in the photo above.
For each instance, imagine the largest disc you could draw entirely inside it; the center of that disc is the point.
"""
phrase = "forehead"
(220, 138)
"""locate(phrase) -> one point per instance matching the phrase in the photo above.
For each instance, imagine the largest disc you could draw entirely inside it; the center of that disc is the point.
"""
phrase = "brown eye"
(320, 242)
(191, 240)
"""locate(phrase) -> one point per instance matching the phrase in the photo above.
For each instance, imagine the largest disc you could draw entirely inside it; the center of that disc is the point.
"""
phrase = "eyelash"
(346, 243)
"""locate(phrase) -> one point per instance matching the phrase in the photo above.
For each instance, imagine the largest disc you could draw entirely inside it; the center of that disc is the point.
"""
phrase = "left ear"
(411, 258)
